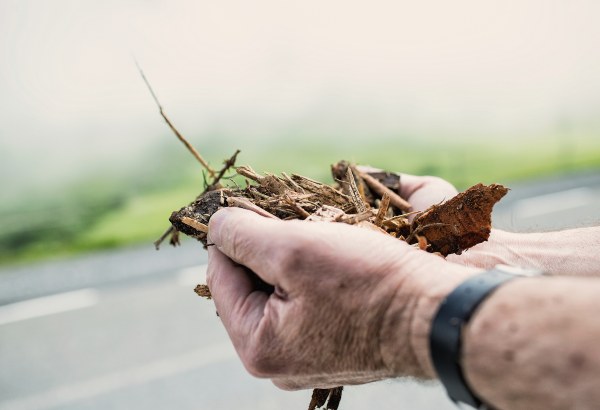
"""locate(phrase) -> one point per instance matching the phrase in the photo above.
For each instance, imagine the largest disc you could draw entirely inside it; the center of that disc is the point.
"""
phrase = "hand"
(349, 305)
(421, 191)
(425, 191)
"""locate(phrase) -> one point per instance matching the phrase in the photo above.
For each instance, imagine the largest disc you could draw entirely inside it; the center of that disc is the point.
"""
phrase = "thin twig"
(297, 187)
(185, 142)
(353, 219)
(354, 194)
(246, 204)
(379, 188)
(297, 208)
(226, 165)
(248, 172)
(163, 237)
(383, 208)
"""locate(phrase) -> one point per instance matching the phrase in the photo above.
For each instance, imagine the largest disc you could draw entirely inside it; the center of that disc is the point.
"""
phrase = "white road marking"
(192, 276)
(48, 305)
(552, 203)
(156, 370)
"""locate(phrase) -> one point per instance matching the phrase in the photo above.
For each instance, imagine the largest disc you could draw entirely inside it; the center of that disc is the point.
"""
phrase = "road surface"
(124, 330)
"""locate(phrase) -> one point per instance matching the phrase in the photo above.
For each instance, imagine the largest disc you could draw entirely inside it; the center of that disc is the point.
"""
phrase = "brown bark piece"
(461, 222)
(334, 398)
(383, 209)
(330, 398)
(355, 195)
(319, 398)
(199, 211)
(203, 291)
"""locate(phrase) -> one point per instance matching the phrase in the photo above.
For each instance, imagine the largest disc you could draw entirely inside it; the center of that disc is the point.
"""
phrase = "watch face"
(518, 271)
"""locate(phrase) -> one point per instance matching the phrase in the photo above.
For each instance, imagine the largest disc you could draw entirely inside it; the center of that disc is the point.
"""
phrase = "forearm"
(569, 252)
(533, 344)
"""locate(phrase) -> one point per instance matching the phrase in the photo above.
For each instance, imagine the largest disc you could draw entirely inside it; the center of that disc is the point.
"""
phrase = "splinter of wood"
(354, 193)
(185, 142)
(383, 208)
(334, 398)
(319, 398)
(395, 199)
(195, 224)
(246, 204)
(166, 233)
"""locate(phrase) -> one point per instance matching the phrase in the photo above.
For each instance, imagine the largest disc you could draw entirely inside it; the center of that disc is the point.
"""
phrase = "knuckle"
(293, 255)
(257, 363)
(440, 183)
(429, 179)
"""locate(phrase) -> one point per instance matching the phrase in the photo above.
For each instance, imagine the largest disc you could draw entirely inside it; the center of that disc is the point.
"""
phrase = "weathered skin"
(353, 306)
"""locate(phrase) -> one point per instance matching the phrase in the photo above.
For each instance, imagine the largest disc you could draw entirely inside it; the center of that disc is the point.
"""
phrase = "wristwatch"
(446, 330)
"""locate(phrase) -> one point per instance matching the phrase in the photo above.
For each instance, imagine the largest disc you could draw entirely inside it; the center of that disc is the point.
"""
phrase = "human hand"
(421, 191)
(425, 191)
(349, 305)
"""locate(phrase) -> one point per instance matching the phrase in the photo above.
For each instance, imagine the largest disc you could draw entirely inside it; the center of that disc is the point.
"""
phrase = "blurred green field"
(109, 210)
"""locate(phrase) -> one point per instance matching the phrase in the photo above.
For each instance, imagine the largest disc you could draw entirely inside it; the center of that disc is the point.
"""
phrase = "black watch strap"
(445, 338)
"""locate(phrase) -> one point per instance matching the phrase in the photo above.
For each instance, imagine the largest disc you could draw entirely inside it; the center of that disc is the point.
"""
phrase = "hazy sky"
(70, 95)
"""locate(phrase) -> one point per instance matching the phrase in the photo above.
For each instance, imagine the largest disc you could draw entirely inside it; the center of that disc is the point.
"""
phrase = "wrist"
(405, 334)
(448, 278)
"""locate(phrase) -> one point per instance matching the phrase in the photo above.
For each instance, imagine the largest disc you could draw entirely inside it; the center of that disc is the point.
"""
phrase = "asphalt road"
(124, 330)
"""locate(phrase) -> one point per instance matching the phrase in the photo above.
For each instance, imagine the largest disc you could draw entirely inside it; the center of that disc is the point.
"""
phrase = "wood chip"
(462, 221)
(380, 189)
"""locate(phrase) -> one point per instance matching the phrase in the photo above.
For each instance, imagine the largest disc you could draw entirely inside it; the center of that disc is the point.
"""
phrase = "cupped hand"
(346, 305)
(425, 191)
(421, 191)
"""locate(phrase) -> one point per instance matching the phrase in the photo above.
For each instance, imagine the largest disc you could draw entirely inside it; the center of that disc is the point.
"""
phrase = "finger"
(324, 381)
(249, 239)
(422, 192)
(411, 184)
(239, 303)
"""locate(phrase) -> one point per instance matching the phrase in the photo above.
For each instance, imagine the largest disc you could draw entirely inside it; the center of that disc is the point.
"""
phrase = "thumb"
(249, 239)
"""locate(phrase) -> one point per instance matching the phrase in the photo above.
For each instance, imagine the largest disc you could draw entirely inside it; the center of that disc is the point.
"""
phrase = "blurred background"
(92, 317)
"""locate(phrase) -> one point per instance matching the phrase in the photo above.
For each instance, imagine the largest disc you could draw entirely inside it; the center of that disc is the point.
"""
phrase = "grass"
(138, 213)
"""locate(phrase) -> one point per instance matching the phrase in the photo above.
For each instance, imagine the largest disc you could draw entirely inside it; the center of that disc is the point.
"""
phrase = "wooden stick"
(297, 208)
(185, 142)
(297, 187)
(353, 219)
(195, 224)
(163, 237)
(380, 189)
(226, 165)
(246, 204)
(248, 172)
